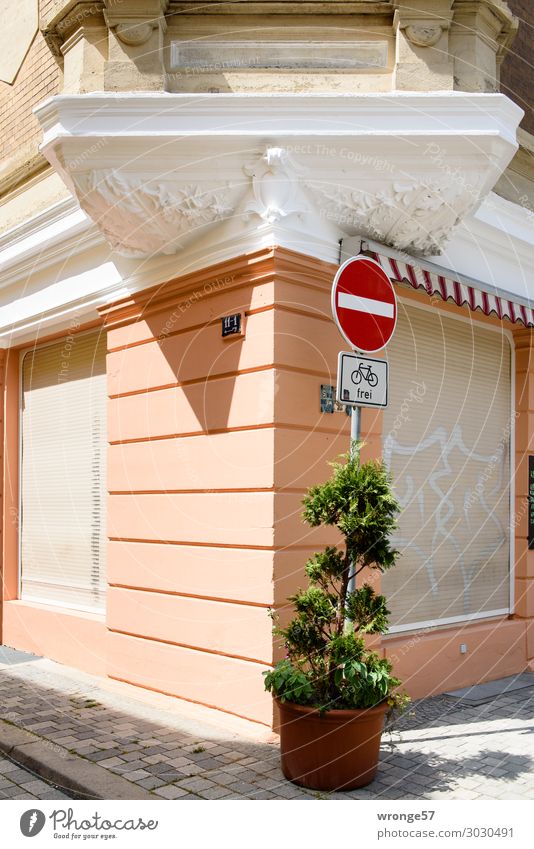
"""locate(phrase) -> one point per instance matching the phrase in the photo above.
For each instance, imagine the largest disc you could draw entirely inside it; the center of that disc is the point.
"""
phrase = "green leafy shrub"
(327, 664)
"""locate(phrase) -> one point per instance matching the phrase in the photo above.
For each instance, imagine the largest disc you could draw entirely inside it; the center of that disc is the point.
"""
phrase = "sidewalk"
(109, 740)
(18, 783)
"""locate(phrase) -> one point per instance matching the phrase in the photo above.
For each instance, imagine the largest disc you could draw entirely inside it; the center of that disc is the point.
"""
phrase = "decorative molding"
(424, 34)
(66, 19)
(147, 167)
(139, 217)
(134, 34)
(275, 185)
(21, 167)
(134, 21)
(409, 216)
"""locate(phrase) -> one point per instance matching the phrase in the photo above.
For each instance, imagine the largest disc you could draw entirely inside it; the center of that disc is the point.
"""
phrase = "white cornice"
(141, 114)
(496, 246)
(156, 170)
(43, 238)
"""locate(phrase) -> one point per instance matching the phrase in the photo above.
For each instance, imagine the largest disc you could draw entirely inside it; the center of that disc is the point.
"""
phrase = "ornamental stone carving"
(414, 217)
(424, 35)
(156, 171)
(140, 217)
(275, 185)
(134, 34)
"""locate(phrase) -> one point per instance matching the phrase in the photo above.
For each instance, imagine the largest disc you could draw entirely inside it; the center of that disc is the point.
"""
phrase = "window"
(447, 434)
(63, 472)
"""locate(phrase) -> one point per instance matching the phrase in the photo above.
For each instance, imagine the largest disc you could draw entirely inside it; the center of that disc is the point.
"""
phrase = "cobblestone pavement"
(442, 749)
(18, 783)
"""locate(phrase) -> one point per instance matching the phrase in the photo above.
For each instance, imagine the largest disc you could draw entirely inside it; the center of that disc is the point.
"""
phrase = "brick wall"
(517, 72)
(37, 79)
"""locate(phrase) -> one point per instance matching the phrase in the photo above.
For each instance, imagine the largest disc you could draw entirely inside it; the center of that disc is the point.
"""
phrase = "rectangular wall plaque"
(231, 324)
(188, 56)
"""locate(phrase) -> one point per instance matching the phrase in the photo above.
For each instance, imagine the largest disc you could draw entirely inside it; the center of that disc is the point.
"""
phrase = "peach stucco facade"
(212, 444)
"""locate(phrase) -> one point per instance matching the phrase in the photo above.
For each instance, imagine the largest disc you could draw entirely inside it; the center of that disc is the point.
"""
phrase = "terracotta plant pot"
(337, 750)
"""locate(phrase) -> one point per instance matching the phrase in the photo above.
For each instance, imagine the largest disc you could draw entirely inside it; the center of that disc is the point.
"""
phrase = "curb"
(59, 766)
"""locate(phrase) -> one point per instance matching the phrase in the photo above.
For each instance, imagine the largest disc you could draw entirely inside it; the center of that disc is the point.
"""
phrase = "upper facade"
(199, 127)
(52, 46)
(279, 45)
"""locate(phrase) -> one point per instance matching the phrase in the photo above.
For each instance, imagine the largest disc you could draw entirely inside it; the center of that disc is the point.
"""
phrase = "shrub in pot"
(332, 691)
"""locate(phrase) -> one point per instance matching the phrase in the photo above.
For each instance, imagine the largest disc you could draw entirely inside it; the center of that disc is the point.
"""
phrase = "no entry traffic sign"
(364, 305)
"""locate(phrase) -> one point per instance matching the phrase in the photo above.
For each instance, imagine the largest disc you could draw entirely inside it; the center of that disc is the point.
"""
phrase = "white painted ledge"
(157, 171)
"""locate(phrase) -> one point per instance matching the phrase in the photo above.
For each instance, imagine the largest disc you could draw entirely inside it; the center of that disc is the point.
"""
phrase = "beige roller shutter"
(63, 472)
(447, 442)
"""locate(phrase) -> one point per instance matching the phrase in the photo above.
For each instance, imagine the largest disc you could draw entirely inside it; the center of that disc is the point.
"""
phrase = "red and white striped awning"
(450, 287)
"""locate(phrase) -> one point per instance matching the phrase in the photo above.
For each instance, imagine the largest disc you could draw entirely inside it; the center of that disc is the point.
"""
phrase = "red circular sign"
(364, 305)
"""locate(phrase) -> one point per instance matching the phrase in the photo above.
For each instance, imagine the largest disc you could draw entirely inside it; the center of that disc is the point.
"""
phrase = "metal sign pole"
(355, 428)
(355, 432)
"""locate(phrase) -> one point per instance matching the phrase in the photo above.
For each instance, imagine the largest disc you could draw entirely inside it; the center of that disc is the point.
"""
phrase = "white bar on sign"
(355, 302)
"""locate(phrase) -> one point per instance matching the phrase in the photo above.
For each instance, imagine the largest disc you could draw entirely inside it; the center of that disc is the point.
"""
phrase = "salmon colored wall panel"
(297, 402)
(219, 626)
(530, 643)
(71, 637)
(524, 391)
(524, 598)
(430, 663)
(224, 518)
(191, 356)
(291, 530)
(307, 343)
(235, 460)
(521, 473)
(196, 307)
(232, 573)
(310, 299)
(301, 457)
(524, 432)
(10, 489)
(524, 559)
(230, 684)
(231, 402)
(372, 421)
(289, 573)
(521, 516)
(524, 359)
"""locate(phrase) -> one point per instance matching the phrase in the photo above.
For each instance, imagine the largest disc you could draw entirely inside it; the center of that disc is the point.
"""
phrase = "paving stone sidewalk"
(443, 749)
(18, 783)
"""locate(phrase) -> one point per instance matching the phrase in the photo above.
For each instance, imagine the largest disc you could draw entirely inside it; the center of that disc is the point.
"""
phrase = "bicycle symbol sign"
(362, 381)
(365, 373)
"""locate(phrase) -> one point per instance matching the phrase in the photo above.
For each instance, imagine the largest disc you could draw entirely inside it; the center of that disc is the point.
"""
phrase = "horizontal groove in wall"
(224, 376)
(200, 491)
(184, 699)
(186, 646)
(167, 294)
(188, 542)
(220, 430)
(274, 548)
(162, 337)
(217, 599)
(215, 321)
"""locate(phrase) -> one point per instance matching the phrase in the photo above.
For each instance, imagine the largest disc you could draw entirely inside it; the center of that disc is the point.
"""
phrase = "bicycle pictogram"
(366, 373)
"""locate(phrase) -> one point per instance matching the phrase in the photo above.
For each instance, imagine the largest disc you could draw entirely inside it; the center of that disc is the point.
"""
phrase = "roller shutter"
(447, 442)
(63, 472)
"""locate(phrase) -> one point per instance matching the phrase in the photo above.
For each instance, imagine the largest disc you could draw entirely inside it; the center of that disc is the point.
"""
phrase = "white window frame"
(506, 611)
